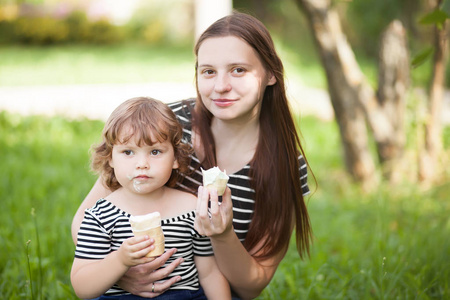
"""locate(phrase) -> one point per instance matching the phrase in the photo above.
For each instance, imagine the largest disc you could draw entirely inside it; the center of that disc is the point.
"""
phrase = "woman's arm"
(140, 280)
(246, 275)
(98, 191)
(211, 279)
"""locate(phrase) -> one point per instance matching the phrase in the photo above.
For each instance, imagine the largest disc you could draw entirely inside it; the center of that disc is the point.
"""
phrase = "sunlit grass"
(83, 64)
(44, 177)
(388, 244)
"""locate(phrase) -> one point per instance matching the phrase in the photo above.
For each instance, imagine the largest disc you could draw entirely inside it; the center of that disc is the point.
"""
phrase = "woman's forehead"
(228, 48)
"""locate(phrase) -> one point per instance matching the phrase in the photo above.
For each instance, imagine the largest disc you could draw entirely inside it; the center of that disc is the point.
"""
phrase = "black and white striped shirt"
(105, 226)
(242, 194)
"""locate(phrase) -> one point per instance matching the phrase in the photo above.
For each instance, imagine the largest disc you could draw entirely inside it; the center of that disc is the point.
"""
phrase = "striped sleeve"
(202, 246)
(93, 240)
(303, 175)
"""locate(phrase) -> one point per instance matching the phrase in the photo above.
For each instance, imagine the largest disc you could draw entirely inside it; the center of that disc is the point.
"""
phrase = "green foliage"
(40, 30)
(365, 21)
(422, 57)
(436, 17)
(389, 244)
(45, 30)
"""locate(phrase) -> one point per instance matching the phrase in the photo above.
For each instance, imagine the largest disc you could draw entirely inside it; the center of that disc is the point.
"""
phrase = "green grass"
(389, 244)
(44, 165)
(78, 64)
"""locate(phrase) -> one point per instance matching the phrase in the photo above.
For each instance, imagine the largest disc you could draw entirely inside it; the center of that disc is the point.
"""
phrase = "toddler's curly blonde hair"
(147, 118)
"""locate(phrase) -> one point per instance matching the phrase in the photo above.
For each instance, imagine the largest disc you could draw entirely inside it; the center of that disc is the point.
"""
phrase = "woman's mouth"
(223, 102)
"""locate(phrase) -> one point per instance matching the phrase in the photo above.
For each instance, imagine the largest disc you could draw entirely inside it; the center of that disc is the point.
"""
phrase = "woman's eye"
(208, 72)
(238, 70)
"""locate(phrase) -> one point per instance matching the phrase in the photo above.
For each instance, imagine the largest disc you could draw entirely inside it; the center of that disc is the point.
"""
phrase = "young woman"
(241, 123)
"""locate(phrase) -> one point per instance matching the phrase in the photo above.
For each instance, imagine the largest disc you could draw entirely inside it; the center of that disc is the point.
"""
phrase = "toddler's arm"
(92, 278)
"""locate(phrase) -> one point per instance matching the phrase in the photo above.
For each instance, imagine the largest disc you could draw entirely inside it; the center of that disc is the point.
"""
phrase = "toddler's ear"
(110, 162)
(176, 165)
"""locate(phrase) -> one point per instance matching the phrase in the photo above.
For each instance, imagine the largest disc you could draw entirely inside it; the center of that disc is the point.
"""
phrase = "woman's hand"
(145, 280)
(216, 220)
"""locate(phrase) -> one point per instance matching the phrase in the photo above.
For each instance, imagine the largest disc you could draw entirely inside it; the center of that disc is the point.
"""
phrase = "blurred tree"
(354, 100)
(432, 146)
(373, 17)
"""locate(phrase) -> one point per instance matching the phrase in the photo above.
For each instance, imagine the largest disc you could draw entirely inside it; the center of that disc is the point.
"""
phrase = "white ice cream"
(215, 178)
(145, 222)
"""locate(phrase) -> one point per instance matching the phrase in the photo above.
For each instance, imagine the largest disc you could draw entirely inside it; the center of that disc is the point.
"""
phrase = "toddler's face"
(143, 169)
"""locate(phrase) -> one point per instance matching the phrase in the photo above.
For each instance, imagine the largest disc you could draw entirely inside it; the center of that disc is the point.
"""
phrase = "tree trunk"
(344, 79)
(393, 82)
(353, 99)
(428, 159)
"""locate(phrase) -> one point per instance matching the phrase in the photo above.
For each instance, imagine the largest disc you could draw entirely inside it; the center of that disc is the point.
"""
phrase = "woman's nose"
(222, 84)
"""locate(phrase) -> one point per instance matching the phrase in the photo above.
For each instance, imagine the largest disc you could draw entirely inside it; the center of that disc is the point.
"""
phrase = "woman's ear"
(272, 79)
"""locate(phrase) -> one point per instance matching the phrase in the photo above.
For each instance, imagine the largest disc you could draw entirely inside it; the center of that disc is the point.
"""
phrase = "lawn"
(389, 244)
(83, 64)
(392, 243)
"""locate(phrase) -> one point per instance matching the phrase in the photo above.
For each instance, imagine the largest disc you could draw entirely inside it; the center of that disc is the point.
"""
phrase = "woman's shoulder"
(182, 108)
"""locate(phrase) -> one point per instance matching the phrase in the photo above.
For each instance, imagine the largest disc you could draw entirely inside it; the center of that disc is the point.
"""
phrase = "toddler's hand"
(133, 250)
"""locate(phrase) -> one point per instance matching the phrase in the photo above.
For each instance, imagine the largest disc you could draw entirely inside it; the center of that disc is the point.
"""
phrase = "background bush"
(45, 30)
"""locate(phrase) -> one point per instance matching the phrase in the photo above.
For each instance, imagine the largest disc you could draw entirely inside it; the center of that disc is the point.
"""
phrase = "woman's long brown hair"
(276, 180)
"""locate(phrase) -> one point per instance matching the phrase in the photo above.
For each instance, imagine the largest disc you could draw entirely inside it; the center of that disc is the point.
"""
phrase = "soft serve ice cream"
(215, 178)
(149, 224)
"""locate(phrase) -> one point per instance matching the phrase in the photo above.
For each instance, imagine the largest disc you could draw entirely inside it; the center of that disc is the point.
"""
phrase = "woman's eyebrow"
(229, 65)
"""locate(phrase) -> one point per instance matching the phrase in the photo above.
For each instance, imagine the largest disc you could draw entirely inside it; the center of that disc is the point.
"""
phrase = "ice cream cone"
(149, 225)
(214, 178)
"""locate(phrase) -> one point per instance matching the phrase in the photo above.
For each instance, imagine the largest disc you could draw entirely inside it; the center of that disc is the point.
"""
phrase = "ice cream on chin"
(149, 224)
(215, 178)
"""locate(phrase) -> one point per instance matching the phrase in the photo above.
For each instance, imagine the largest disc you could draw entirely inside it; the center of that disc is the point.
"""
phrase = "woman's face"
(231, 78)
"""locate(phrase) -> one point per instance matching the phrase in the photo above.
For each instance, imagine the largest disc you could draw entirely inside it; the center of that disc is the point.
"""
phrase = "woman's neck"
(235, 143)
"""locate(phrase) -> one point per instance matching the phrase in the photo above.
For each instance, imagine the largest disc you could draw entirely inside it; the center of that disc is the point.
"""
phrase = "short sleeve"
(202, 246)
(93, 240)
(303, 175)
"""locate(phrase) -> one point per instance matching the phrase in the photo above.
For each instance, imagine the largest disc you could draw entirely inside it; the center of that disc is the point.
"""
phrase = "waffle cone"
(159, 250)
